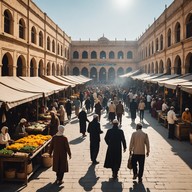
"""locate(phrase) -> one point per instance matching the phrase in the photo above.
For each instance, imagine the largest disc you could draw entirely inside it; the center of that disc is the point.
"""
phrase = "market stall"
(21, 159)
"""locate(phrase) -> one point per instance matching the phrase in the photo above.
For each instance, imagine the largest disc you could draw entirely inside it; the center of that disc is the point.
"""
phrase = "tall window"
(75, 55)
(152, 48)
(21, 29)
(61, 50)
(157, 45)
(177, 33)
(58, 49)
(7, 22)
(161, 42)
(102, 55)
(33, 35)
(84, 55)
(169, 38)
(53, 46)
(111, 55)
(189, 26)
(129, 55)
(48, 43)
(120, 55)
(93, 55)
(40, 39)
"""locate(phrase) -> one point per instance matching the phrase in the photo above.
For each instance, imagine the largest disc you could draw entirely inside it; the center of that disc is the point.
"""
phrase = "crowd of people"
(114, 102)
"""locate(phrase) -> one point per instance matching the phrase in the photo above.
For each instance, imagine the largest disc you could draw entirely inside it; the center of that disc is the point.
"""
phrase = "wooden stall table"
(22, 161)
(162, 119)
(182, 131)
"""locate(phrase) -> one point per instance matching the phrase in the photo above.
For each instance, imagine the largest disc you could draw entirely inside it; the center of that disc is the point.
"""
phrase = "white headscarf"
(3, 129)
(61, 129)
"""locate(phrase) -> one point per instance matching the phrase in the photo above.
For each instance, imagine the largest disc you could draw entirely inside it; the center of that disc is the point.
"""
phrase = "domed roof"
(103, 39)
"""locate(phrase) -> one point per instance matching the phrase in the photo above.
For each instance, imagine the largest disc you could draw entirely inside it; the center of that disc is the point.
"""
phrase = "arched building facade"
(31, 44)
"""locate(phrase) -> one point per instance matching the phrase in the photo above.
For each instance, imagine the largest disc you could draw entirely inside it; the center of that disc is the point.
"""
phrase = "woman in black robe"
(133, 110)
(115, 139)
(82, 121)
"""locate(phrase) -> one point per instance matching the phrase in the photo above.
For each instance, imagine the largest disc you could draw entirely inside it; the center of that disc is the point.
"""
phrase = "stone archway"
(102, 75)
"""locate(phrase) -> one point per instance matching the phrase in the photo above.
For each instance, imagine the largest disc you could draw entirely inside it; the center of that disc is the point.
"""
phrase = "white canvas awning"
(12, 97)
(173, 83)
(152, 76)
(162, 78)
(44, 84)
(131, 73)
(140, 77)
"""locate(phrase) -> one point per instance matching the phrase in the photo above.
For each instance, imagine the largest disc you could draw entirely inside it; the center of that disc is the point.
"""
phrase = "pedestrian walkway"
(167, 169)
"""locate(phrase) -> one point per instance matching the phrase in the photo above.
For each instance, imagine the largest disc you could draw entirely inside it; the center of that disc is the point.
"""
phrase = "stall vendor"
(55, 122)
(5, 138)
(20, 129)
(186, 116)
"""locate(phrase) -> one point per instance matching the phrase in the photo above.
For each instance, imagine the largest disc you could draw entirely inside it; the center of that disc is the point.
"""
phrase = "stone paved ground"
(168, 167)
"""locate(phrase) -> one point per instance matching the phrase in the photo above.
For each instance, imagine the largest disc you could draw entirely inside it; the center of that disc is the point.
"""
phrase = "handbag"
(129, 163)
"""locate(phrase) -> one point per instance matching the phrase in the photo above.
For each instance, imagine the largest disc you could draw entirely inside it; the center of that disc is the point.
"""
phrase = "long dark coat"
(60, 148)
(114, 139)
(82, 121)
(133, 109)
(68, 108)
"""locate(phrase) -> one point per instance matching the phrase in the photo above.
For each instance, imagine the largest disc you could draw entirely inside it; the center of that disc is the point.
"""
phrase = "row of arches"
(172, 36)
(103, 55)
(176, 68)
(102, 74)
(35, 36)
(35, 68)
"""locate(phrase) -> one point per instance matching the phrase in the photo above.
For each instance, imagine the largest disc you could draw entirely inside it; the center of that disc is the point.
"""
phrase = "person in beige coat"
(139, 140)
(119, 112)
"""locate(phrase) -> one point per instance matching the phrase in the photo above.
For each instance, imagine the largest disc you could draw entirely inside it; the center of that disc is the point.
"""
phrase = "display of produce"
(29, 143)
(6, 152)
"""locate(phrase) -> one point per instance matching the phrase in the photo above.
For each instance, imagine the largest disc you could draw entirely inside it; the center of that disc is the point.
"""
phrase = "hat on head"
(172, 107)
(61, 129)
(186, 109)
(23, 120)
(139, 126)
(115, 121)
(3, 129)
(95, 116)
(83, 109)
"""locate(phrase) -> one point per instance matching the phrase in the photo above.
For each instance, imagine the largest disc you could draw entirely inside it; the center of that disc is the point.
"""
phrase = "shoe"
(60, 182)
(95, 162)
(140, 180)
(135, 177)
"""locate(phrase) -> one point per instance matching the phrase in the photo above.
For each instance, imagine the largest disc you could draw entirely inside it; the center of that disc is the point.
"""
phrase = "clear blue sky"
(120, 19)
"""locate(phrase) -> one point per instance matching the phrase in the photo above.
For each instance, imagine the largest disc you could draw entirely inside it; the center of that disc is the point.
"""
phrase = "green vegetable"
(6, 152)
(28, 149)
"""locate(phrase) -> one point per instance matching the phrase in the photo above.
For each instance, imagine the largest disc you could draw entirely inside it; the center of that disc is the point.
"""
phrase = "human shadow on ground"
(107, 126)
(111, 185)
(181, 148)
(90, 179)
(138, 187)
(77, 140)
(74, 121)
(50, 187)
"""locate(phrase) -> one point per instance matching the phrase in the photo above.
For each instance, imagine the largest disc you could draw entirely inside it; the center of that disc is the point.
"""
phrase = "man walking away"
(94, 130)
(139, 140)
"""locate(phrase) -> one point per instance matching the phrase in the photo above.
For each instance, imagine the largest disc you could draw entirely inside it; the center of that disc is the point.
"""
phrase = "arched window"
(20, 66)
(111, 75)
(75, 71)
(149, 51)
(7, 63)
(177, 65)
(177, 32)
(111, 55)
(152, 48)
(40, 39)
(93, 73)
(189, 26)
(102, 55)
(21, 29)
(40, 68)
(48, 43)
(120, 55)
(157, 44)
(161, 42)
(129, 55)
(129, 69)
(93, 55)
(53, 46)
(8, 22)
(58, 50)
(61, 51)
(188, 62)
(32, 68)
(168, 69)
(75, 55)
(120, 71)
(84, 72)
(84, 55)
(169, 38)
(33, 35)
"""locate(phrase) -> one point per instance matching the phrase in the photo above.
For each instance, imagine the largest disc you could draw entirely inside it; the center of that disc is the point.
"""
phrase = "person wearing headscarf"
(62, 114)
(186, 116)
(94, 130)
(68, 108)
(5, 138)
(82, 121)
(59, 149)
(20, 129)
(54, 123)
(114, 138)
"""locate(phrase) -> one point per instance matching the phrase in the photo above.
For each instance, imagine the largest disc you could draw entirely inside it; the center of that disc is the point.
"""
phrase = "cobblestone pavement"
(167, 169)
